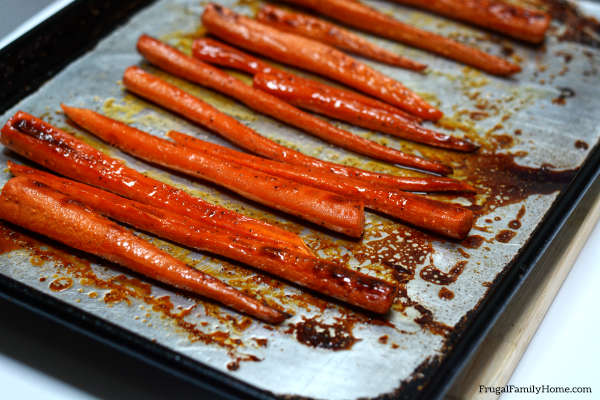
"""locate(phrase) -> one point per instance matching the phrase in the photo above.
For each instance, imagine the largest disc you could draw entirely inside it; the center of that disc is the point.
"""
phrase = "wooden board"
(501, 351)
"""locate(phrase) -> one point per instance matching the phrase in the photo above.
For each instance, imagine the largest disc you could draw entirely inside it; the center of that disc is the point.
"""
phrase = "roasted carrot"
(331, 34)
(321, 207)
(360, 16)
(218, 53)
(301, 93)
(174, 61)
(68, 156)
(509, 19)
(443, 218)
(198, 111)
(36, 207)
(298, 268)
(313, 56)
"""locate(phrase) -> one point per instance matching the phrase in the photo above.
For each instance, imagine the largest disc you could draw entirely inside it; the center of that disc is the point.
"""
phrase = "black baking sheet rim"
(45, 50)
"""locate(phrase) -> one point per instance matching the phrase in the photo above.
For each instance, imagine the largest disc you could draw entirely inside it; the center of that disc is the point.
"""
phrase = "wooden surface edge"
(502, 349)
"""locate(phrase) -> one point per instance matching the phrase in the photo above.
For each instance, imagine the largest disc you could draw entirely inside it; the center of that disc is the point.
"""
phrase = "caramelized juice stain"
(433, 275)
(446, 294)
(516, 223)
(505, 236)
(60, 284)
(314, 333)
(580, 144)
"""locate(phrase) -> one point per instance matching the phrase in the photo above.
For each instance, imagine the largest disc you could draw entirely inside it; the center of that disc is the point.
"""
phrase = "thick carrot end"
(466, 223)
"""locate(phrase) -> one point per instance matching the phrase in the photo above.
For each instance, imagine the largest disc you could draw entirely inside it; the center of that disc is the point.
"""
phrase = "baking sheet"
(516, 116)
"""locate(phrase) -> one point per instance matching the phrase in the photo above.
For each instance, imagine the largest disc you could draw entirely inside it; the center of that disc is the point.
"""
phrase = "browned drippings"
(426, 321)
(433, 275)
(235, 364)
(60, 284)
(383, 339)
(261, 342)
(580, 144)
(446, 294)
(506, 182)
(313, 333)
(472, 241)
(565, 93)
(463, 252)
(505, 236)
(516, 223)
(577, 27)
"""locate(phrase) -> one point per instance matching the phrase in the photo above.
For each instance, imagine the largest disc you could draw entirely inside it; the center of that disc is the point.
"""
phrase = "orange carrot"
(68, 156)
(323, 208)
(442, 218)
(331, 34)
(307, 271)
(301, 93)
(517, 22)
(36, 207)
(174, 61)
(313, 56)
(218, 53)
(198, 111)
(358, 15)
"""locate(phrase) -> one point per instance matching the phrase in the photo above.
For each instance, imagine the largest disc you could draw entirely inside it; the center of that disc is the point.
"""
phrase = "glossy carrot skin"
(172, 60)
(302, 94)
(442, 218)
(331, 34)
(313, 56)
(298, 268)
(517, 22)
(68, 156)
(410, 184)
(358, 15)
(37, 207)
(321, 207)
(196, 110)
(218, 53)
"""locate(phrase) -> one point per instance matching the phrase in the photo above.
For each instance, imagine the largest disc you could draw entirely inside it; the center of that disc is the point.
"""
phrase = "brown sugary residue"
(433, 275)
(60, 284)
(261, 342)
(505, 182)
(575, 26)
(314, 333)
(505, 236)
(565, 93)
(446, 294)
(383, 339)
(580, 144)
(472, 241)
(516, 223)
(235, 364)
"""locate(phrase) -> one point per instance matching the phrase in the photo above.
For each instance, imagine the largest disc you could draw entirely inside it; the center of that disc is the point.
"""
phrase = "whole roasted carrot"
(174, 61)
(36, 207)
(331, 34)
(517, 22)
(360, 16)
(313, 56)
(68, 156)
(443, 218)
(188, 106)
(321, 207)
(218, 53)
(307, 271)
(301, 93)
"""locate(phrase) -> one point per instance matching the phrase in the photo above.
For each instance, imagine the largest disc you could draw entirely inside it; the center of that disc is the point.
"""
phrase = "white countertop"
(41, 360)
